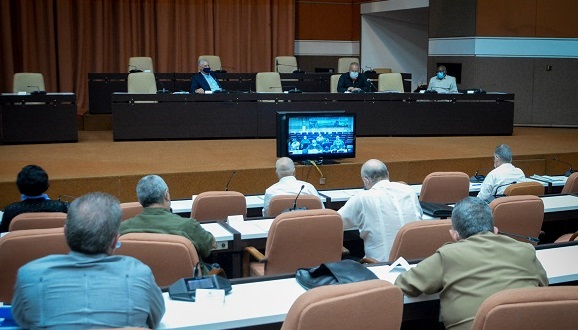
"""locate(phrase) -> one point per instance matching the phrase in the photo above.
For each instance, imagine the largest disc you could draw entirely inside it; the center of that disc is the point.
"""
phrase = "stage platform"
(97, 163)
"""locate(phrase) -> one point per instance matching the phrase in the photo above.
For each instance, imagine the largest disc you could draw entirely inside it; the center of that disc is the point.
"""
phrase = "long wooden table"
(101, 86)
(253, 115)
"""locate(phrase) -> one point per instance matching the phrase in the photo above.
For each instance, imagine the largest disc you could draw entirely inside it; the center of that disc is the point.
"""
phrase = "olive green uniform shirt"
(467, 272)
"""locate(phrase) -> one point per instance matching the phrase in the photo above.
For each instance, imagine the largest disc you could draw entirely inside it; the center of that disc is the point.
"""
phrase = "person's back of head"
(470, 216)
(32, 180)
(151, 189)
(284, 167)
(373, 171)
(92, 223)
(504, 153)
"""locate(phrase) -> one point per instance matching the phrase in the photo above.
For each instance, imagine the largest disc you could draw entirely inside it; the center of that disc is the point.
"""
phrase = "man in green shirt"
(479, 264)
(156, 217)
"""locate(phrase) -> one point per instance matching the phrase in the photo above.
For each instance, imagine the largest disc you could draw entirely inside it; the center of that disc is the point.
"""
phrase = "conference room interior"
(543, 132)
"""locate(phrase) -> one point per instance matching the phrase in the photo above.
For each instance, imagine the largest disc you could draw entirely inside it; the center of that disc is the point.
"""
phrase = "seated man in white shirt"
(380, 210)
(288, 184)
(503, 174)
(442, 83)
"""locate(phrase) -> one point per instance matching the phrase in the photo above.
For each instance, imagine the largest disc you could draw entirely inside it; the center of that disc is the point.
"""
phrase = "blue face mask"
(441, 75)
(207, 70)
(353, 75)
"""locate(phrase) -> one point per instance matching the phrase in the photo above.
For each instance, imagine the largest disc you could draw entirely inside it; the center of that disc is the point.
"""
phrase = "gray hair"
(92, 223)
(374, 170)
(285, 167)
(202, 60)
(151, 189)
(504, 153)
(472, 215)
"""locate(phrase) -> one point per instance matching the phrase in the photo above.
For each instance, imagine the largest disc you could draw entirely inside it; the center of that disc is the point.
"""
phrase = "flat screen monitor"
(316, 136)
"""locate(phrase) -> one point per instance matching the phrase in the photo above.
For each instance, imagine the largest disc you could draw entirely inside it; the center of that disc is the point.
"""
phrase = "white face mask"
(353, 75)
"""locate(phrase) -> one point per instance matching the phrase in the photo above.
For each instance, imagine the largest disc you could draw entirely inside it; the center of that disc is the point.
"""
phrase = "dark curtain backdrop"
(66, 39)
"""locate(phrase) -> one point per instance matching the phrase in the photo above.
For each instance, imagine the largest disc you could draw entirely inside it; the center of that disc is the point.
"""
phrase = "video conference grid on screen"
(320, 135)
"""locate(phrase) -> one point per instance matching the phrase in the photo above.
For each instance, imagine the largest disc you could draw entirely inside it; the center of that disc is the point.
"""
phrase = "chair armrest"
(249, 252)
(368, 260)
(573, 237)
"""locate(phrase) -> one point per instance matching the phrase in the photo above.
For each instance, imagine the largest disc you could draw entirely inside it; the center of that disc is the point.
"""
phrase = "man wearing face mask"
(353, 81)
(442, 83)
(204, 81)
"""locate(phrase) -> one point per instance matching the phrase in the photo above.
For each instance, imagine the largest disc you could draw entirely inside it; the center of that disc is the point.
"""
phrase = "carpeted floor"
(96, 162)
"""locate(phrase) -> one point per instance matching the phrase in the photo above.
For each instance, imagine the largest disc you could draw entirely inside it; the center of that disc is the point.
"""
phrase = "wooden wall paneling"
(506, 18)
(327, 20)
(557, 19)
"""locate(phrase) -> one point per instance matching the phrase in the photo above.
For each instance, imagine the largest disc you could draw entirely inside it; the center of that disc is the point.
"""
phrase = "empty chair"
(344, 62)
(144, 64)
(445, 187)
(524, 188)
(268, 82)
(347, 306)
(28, 82)
(214, 61)
(529, 308)
(567, 238)
(280, 203)
(297, 239)
(218, 205)
(286, 64)
(390, 82)
(170, 257)
(20, 247)
(334, 82)
(142, 83)
(38, 220)
(519, 215)
(130, 210)
(420, 239)
(571, 185)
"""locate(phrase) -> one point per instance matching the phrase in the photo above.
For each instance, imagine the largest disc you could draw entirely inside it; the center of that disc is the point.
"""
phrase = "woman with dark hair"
(32, 182)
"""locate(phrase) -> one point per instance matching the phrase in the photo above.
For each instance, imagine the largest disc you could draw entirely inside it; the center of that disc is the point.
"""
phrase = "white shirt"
(288, 185)
(499, 179)
(445, 85)
(379, 213)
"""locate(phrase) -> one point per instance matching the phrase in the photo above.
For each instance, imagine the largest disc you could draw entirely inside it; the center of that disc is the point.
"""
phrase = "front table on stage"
(38, 118)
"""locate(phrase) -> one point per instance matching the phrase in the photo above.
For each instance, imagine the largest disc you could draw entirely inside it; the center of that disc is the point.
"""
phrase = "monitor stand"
(320, 161)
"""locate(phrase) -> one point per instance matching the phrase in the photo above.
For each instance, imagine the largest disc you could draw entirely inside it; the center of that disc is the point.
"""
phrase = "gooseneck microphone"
(295, 202)
(164, 90)
(293, 89)
(372, 85)
(133, 69)
(570, 171)
(231, 178)
(479, 178)
(37, 91)
(528, 238)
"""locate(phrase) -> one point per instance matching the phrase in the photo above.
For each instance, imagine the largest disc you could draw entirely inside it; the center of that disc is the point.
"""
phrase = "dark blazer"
(198, 81)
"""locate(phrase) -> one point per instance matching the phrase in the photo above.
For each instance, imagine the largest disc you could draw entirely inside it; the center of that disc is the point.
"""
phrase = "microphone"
(570, 171)
(479, 178)
(224, 71)
(231, 178)
(164, 90)
(531, 239)
(65, 196)
(370, 70)
(133, 69)
(37, 91)
(495, 194)
(290, 66)
(294, 90)
(295, 202)
(372, 85)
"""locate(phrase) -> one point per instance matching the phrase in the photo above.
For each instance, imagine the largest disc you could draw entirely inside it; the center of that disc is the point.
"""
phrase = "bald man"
(380, 210)
(288, 184)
